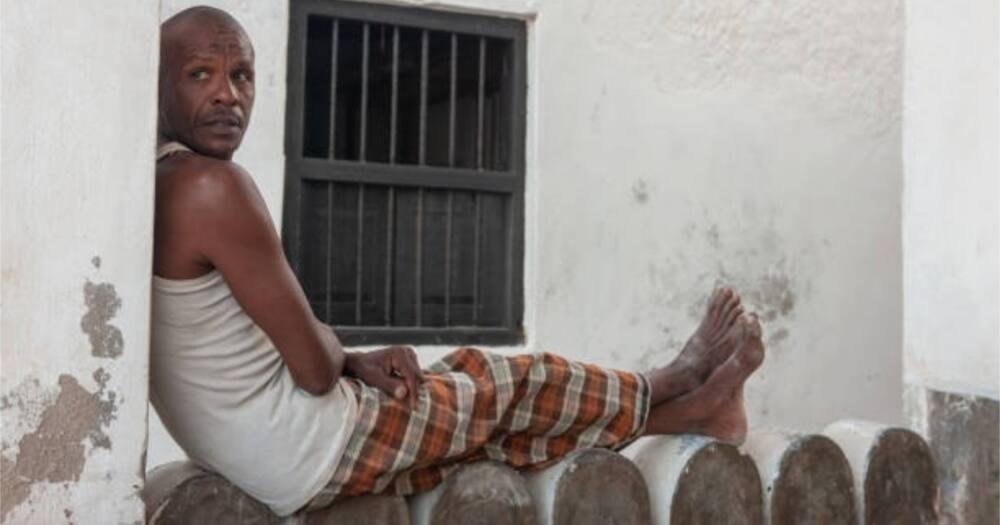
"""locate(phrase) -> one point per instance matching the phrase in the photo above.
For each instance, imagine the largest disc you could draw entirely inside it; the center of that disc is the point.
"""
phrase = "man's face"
(206, 86)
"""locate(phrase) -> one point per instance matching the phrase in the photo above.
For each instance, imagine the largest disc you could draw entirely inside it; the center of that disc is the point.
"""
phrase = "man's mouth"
(226, 124)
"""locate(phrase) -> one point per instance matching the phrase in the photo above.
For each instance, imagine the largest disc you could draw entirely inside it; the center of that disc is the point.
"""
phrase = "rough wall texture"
(963, 432)
(78, 120)
(951, 202)
(673, 146)
(951, 236)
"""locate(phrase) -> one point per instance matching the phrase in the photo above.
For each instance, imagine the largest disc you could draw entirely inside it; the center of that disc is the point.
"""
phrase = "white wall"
(951, 202)
(676, 145)
(78, 111)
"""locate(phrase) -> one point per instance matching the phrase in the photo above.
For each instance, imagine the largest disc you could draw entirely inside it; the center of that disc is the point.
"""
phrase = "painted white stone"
(861, 441)
(662, 460)
(770, 447)
(545, 486)
(484, 484)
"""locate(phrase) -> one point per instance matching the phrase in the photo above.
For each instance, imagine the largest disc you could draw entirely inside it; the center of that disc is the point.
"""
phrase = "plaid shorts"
(526, 411)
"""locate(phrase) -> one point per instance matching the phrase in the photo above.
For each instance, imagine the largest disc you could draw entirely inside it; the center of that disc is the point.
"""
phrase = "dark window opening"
(405, 172)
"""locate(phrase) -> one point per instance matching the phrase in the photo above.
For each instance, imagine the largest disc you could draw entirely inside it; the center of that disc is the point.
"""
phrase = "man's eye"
(242, 76)
(199, 74)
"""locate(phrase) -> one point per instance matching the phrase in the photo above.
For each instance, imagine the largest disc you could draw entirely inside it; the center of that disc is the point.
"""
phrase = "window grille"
(404, 195)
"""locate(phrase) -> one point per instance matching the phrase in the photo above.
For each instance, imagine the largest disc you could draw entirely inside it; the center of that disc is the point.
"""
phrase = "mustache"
(224, 116)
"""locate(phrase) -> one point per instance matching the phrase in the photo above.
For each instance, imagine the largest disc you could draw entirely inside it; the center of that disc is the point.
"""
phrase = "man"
(253, 386)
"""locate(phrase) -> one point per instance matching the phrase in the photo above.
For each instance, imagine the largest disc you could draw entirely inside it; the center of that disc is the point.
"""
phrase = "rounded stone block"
(894, 478)
(180, 493)
(695, 480)
(362, 510)
(806, 478)
(590, 487)
(481, 493)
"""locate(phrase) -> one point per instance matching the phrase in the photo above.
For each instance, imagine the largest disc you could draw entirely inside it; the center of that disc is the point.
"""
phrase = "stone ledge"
(857, 472)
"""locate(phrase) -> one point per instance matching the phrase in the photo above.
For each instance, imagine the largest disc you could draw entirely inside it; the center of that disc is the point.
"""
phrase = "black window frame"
(510, 181)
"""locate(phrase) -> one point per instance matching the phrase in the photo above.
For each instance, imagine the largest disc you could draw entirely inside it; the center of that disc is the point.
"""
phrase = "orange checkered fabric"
(526, 411)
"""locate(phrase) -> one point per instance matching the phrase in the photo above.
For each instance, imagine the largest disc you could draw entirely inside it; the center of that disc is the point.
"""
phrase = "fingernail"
(400, 392)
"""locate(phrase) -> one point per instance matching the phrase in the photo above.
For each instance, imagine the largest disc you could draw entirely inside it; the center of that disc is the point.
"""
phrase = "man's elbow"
(315, 384)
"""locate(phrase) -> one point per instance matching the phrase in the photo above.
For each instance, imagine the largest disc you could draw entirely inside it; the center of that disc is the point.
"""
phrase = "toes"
(733, 310)
(753, 325)
(716, 302)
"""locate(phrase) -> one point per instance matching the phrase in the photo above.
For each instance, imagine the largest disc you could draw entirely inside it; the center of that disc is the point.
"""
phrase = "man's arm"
(217, 208)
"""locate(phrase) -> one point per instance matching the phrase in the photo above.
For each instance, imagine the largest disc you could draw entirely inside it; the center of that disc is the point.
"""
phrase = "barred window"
(404, 189)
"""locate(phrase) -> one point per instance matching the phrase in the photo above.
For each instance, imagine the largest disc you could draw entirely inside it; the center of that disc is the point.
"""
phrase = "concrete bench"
(698, 480)
(482, 493)
(590, 487)
(180, 493)
(806, 478)
(894, 477)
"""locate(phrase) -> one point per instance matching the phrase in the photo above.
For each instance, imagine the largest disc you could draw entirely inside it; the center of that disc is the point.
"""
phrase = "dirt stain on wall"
(54, 452)
(102, 303)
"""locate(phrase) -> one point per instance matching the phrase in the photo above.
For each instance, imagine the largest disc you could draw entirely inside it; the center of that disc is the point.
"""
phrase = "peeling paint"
(102, 303)
(55, 451)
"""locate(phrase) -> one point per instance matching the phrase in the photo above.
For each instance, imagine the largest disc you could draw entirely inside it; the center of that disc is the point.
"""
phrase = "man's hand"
(394, 370)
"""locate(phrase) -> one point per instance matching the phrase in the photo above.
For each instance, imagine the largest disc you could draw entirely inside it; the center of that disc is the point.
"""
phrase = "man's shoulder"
(191, 177)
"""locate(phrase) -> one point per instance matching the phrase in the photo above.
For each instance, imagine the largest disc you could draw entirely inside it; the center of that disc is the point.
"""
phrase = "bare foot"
(710, 345)
(729, 421)
(715, 408)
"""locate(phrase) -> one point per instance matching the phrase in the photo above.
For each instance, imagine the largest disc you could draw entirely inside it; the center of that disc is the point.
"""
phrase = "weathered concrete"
(590, 487)
(894, 480)
(483, 493)
(362, 510)
(180, 493)
(78, 125)
(697, 480)
(962, 432)
(951, 235)
(806, 478)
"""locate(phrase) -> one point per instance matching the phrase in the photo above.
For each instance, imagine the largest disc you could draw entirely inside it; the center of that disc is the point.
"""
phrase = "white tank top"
(227, 398)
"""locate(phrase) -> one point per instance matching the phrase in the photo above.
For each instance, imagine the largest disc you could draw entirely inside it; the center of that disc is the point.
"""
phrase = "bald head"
(177, 30)
(206, 80)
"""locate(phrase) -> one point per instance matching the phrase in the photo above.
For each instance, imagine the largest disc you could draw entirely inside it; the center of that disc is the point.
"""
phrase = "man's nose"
(225, 93)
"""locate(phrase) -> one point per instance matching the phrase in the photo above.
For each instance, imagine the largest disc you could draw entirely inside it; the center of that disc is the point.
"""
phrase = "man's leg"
(526, 411)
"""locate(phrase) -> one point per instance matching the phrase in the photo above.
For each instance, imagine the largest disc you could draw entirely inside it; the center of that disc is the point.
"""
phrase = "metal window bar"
(390, 211)
(329, 249)
(447, 262)
(363, 132)
(479, 103)
(333, 88)
(452, 90)
(360, 248)
(422, 158)
(418, 285)
(391, 206)
(419, 299)
(451, 100)
(476, 262)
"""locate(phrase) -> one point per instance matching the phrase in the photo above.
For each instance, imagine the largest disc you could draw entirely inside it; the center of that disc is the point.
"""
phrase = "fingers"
(385, 382)
(401, 362)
